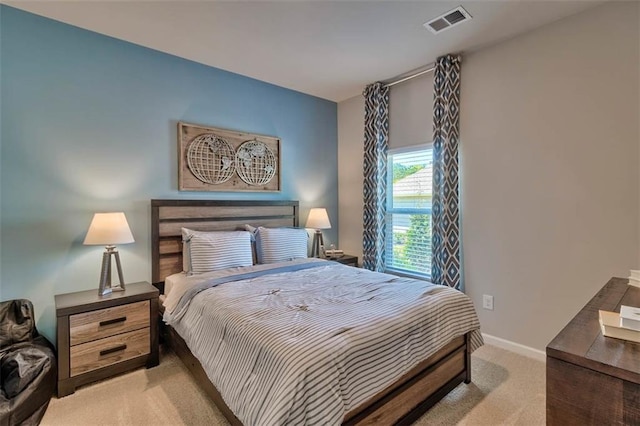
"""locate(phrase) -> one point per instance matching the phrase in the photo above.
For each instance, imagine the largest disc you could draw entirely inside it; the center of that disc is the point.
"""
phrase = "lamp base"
(105, 286)
(316, 243)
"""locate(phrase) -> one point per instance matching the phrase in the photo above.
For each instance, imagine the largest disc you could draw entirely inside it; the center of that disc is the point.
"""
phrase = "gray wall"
(411, 112)
(350, 166)
(549, 150)
(549, 160)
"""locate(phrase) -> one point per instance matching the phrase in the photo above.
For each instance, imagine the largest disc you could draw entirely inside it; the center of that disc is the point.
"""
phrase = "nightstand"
(345, 259)
(101, 336)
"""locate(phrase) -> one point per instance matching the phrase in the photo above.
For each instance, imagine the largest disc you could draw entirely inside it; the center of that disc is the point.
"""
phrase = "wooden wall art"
(212, 159)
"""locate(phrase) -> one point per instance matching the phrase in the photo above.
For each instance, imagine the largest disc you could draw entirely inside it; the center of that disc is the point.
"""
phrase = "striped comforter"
(306, 347)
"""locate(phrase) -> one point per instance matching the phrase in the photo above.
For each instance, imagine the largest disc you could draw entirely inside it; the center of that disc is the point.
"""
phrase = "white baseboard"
(515, 347)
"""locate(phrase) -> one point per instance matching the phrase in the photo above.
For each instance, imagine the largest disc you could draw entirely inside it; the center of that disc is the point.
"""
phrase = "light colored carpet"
(507, 389)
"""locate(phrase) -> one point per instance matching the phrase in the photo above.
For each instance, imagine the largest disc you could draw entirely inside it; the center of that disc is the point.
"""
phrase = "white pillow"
(280, 244)
(210, 251)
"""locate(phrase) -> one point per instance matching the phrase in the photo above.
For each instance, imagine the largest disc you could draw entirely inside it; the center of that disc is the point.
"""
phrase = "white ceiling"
(330, 49)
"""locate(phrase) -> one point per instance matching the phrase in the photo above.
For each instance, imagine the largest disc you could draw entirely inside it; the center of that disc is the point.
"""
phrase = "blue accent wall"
(89, 123)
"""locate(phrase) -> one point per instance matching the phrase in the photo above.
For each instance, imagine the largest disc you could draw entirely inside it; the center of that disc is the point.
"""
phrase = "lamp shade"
(318, 219)
(108, 229)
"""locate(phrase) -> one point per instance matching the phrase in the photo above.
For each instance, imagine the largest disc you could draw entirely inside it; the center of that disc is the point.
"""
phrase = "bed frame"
(403, 402)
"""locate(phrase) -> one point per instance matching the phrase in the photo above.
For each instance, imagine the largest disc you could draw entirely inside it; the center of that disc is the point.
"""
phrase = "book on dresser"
(634, 277)
(630, 317)
(612, 327)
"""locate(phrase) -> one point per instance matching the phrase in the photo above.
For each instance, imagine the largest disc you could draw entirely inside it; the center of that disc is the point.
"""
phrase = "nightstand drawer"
(345, 259)
(107, 351)
(107, 322)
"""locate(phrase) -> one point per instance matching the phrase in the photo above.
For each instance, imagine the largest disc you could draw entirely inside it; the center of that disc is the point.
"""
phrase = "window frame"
(390, 210)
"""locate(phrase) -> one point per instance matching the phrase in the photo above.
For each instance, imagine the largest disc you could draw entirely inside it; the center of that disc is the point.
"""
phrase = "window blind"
(408, 221)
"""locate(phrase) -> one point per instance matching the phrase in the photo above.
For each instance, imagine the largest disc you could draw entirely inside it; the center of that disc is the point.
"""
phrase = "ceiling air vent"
(448, 20)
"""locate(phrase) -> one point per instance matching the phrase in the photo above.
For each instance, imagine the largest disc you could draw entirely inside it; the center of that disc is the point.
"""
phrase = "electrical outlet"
(487, 302)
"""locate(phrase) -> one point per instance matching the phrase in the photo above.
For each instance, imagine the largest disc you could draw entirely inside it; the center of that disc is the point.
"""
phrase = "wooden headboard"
(169, 216)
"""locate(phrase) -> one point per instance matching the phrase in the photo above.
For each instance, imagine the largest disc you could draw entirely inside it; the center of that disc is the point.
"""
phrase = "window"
(408, 221)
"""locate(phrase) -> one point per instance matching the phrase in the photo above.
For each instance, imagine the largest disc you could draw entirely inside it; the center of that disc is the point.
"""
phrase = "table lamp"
(318, 220)
(109, 229)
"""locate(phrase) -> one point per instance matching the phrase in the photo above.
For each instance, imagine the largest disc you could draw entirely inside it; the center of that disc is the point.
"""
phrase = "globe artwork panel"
(214, 159)
(211, 159)
(255, 163)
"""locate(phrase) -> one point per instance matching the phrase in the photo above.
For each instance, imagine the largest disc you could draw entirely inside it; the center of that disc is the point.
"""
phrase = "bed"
(398, 398)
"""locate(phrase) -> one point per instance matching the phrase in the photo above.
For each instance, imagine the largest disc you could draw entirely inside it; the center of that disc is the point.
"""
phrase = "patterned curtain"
(376, 139)
(445, 264)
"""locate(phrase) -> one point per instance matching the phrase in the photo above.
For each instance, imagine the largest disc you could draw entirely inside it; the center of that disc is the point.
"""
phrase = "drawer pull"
(112, 321)
(112, 350)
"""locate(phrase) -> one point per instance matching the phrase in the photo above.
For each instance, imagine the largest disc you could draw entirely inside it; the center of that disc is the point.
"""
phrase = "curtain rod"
(409, 75)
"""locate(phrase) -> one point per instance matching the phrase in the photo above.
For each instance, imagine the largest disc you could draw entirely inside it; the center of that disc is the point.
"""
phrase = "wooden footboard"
(401, 403)
(414, 393)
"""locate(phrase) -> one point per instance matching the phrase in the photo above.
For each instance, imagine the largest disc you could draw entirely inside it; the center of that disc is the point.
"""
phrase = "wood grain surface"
(593, 379)
(107, 322)
(118, 361)
(168, 229)
(411, 394)
(581, 342)
(87, 356)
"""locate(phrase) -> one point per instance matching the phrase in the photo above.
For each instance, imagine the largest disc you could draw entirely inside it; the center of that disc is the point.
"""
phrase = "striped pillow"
(210, 251)
(280, 244)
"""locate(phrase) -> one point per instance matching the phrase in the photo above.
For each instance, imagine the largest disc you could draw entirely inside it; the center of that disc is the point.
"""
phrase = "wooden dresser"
(100, 336)
(592, 379)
